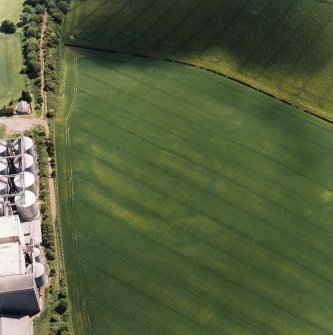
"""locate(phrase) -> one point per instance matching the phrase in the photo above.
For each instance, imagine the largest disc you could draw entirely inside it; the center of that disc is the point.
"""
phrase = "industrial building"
(22, 273)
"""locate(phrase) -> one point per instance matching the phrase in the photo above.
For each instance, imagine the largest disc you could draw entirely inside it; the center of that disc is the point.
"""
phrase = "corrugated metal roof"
(23, 106)
(11, 259)
(15, 325)
(10, 226)
(19, 295)
(16, 283)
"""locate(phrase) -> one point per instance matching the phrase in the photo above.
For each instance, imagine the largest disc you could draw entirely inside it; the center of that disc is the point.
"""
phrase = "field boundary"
(62, 133)
(208, 70)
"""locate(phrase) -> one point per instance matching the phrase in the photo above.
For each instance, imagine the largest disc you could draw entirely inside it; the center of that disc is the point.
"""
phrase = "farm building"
(18, 283)
(15, 325)
(22, 273)
(23, 107)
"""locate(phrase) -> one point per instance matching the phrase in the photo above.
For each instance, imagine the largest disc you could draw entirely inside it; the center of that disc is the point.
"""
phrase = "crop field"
(11, 10)
(283, 47)
(191, 204)
(11, 82)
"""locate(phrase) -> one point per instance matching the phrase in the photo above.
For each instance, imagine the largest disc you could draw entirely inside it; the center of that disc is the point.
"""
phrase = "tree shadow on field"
(251, 36)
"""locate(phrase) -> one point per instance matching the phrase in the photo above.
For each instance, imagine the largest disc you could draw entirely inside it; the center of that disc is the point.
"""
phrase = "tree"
(7, 27)
(63, 6)
(31, 45)
(61, 307)
(50, 114)
(7, 111)
(40, 9)
(26, 96)
(32, 31)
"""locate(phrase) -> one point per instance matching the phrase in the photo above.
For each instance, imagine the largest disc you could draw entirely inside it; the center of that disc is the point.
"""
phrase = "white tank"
(3, 148)
(4, 188)
(26, 161)
(27, 207)
(26, 181)
(39, 274)
(3, 166)
(36, 253)
(28, 146)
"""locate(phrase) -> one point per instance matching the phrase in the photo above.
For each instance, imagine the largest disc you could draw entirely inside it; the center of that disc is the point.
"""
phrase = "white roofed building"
(23, 107)
(12, 241)
(15, 325)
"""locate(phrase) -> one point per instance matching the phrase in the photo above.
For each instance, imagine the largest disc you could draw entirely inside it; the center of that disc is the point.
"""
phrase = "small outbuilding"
(23, 107)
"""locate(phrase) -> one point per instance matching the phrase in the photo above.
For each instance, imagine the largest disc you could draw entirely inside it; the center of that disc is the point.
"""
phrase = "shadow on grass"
(288, 35)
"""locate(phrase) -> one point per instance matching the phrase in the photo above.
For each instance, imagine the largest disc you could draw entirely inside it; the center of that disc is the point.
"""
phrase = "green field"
(11, 61)
(283, 47)
(10, 10)
(191, 204)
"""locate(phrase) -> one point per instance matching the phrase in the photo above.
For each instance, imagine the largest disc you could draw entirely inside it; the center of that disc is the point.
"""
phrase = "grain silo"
(4, 187)
(24, 145)
(3, 166)
(36, 254)
(39, 273)
(27, 207)
(25, 181)
(25, 162)
(3, 148)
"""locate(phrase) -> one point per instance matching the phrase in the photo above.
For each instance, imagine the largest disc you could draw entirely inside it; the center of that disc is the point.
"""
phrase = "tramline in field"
(191, 204)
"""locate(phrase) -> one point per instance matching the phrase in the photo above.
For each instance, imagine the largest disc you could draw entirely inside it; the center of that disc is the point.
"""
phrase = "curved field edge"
(65, 179)
(302, 80)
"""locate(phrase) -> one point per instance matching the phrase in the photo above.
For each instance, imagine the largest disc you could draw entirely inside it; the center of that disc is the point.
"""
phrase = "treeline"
(57, 11)
(7, 110)
(31, 21)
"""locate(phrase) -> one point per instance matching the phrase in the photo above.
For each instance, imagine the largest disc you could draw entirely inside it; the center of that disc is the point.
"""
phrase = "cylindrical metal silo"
(27, 207)
(3, 166)
(37, 255)
(27, 144)
(3, 148)
(4, 187)
(39, 274)
(25, 181)
(26, 161)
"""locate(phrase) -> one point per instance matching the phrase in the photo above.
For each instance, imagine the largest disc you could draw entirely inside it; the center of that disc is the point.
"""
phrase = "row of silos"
(18, 146)
(18, 178)
(17, 157)
(36, 267)
(22, 163)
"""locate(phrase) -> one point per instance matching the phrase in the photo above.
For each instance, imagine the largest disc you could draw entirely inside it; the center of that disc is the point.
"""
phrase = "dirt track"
(18, 124)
